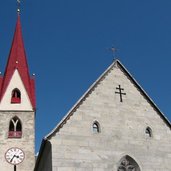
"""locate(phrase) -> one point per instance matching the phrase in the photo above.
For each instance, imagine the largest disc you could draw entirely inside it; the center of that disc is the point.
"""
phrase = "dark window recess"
(16, 96)
(15, 128)
(96, 127)
(148, 132)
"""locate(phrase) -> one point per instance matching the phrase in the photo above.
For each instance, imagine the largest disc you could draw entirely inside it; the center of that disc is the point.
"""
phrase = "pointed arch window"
(16, 96)
(128, 164)
(96, 127)
(148, 132)
(15, 128)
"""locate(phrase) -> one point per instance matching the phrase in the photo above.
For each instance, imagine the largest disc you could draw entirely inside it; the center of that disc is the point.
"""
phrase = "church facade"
(115, 126)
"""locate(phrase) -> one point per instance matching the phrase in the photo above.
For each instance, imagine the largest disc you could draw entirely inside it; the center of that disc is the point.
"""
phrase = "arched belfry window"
(148, 132)
(96, 127)
(16, 96)
(127, 163)
(15, 128)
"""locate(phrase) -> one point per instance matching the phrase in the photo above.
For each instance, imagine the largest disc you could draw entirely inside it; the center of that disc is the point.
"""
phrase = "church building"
(114, 126)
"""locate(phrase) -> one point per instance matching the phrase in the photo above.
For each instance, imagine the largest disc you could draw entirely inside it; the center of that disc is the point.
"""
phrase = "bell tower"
(17, 109)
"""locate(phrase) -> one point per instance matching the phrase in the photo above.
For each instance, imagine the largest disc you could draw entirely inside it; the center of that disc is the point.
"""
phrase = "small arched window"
(16, 96)
(15, 128)
(148, 132)
(96, 127)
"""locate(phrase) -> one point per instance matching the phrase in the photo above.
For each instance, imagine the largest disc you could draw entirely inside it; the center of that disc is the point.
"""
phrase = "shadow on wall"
(44, 159)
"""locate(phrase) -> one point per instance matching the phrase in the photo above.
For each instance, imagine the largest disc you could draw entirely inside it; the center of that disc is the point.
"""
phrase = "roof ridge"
(84, 96)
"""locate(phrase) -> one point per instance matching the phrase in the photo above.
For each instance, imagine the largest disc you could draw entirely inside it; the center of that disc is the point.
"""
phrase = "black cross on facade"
(120, 92)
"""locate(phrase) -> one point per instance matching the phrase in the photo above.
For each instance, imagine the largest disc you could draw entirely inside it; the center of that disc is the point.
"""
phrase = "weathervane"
(18, 6)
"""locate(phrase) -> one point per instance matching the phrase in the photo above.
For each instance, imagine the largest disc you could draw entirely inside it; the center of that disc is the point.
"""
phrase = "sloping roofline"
(17, 60)
(79, 102)
(86, 94)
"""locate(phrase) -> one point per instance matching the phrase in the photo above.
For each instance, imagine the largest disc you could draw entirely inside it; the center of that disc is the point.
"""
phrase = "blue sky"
(67, 40)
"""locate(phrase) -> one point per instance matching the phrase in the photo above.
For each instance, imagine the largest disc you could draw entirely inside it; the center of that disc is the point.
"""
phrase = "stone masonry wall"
(76, 148)
(26, 143)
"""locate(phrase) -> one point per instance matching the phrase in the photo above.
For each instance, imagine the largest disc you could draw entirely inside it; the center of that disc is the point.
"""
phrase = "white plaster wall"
(16, 82)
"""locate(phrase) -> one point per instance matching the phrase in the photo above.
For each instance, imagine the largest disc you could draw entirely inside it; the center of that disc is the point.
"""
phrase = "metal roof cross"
(114, 51)
(18, 6)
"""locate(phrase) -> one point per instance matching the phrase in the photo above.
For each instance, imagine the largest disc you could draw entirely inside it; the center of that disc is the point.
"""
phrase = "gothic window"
(16, 96)
(96, 127)
(128, 164)
(148, 132)
(15, 128)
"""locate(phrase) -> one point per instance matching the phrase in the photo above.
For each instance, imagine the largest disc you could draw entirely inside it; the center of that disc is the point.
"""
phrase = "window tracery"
(15, 128)
(128, 164)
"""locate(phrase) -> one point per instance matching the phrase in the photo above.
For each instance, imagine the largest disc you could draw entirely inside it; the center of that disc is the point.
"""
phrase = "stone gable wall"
(76, 148)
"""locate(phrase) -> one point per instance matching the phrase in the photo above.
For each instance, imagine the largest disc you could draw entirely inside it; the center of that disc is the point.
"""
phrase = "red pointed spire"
(17, 60)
